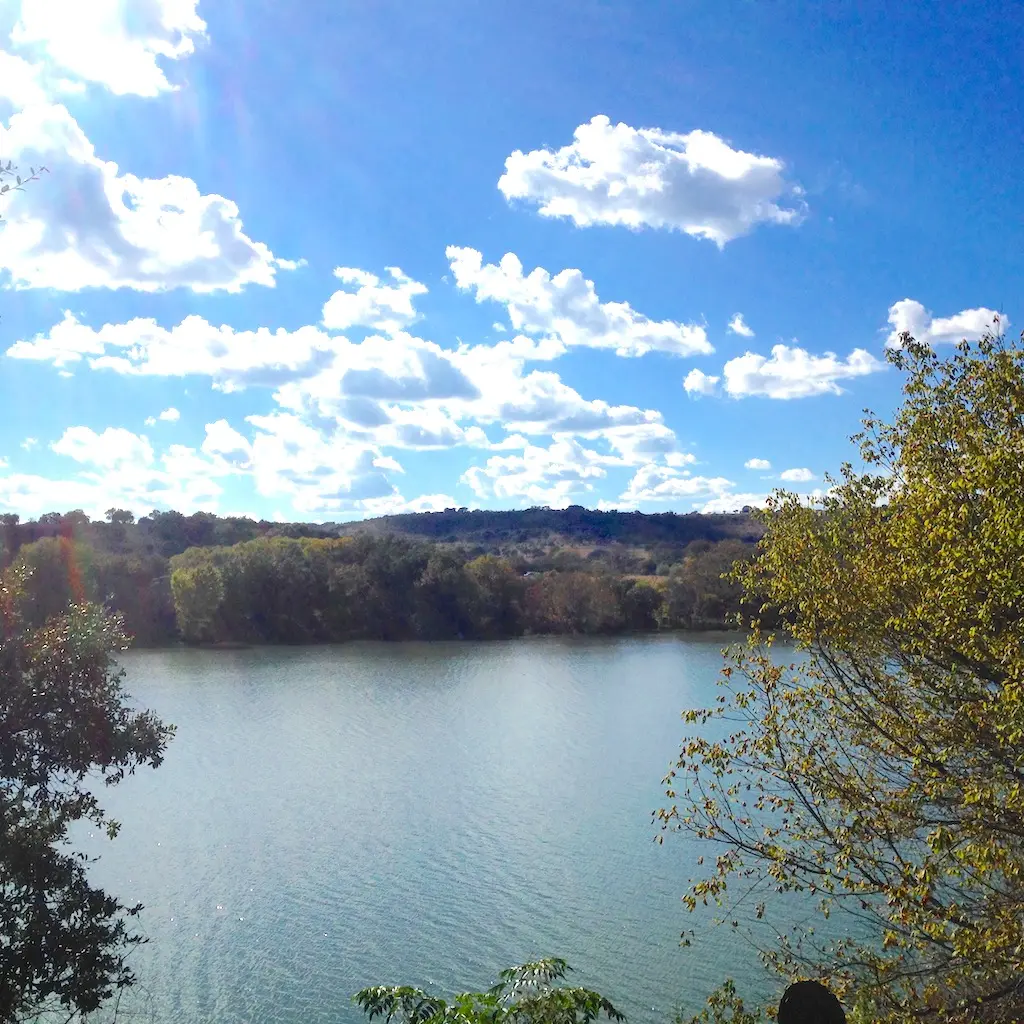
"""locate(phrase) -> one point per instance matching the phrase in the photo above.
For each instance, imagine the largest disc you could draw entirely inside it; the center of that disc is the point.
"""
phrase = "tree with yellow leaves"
(880, 772)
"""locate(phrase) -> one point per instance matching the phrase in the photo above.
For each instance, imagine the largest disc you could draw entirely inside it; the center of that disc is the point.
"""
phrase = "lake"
(332, 817)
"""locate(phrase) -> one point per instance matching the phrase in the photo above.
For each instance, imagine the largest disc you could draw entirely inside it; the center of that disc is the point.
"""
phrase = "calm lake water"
(333, 817)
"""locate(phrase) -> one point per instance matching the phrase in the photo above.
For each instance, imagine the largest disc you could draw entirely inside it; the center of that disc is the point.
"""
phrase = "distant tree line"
(206, 579)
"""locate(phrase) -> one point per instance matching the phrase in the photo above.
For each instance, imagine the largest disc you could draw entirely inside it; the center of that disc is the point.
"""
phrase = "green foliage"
(724, 1006)
(58, 573)
(65, 724)
(531, 994)
(301, 583)
(883, 774)
(699, 593)
(198, 593)
(574, 602)
(572, 525)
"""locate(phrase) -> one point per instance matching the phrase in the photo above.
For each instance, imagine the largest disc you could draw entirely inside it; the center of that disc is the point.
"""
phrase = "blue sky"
(336, 259)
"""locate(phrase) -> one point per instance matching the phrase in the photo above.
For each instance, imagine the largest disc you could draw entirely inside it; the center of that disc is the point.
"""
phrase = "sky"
(342, 258)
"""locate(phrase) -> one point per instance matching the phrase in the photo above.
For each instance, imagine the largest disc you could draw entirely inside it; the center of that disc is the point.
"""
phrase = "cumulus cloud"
(224, 441)
(232, 359)
(555, 475)
(910, 316)
(372, 303)
(645, 442)
(615, 174)
(92, 225)
(698, 382)
(113, 448)
(757, 464)
(794, 373)
(116, 467)
(730, 502)
(318, 472)
(567, 307)
(169, 415)
(737, 325)
(109, 42)
(23, 83)
(430, 374)
(797, 476)
(100, 228)
(657, 483)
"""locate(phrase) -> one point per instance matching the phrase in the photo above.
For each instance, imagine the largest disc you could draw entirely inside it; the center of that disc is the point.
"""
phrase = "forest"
(456, 574)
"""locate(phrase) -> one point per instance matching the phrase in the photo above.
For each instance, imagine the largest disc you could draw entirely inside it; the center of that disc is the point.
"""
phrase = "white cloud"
(112, 449)
(757, 464)
(645, 442)
(29, 443)
(316, 471)
(224, 441)
(90, 226)
(653, 483)
(542, 403)
(794, 372)
(21, 82)
(429, 391)
(113, 43)
(321, 474)
(737, 325)
(970, 324)
(232, 359)
(696, 183)
(397, 390)
(116, 467)
(729, 502)
(556, 475)
(567, 307)
(797, 476)
(374, 303)
(170, 415)
(699, 383)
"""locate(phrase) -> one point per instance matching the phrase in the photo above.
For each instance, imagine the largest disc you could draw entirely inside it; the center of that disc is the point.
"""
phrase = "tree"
(56, 573)
(882, 774)
(198, 593)
(574, 602)
(500, 596)
(65, 724)
(640, 603)
(528, 994)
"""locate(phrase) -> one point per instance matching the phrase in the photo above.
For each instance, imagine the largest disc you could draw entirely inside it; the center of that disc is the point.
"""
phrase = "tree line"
(280, 588)
(286, 590)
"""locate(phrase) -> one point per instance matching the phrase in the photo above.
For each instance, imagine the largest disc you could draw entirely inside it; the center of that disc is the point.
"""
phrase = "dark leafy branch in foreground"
(65, 723)
(531, 994)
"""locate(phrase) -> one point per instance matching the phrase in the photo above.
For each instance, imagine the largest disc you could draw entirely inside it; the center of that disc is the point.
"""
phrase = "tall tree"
(65, 723)
(882, 773)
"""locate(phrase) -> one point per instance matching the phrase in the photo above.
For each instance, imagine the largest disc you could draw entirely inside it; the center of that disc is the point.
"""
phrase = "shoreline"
(245, 645)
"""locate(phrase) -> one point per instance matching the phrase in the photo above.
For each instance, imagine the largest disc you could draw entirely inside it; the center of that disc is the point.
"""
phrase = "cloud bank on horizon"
(175, 347)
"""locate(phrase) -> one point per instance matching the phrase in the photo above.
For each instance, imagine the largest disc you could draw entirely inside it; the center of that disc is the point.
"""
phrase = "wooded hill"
(574, 524)
(207, 578)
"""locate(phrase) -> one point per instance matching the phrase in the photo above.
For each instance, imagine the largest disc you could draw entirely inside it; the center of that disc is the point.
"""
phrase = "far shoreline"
(729, 636)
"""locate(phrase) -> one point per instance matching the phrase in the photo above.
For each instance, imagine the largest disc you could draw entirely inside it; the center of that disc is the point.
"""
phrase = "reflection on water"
(333, 817)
